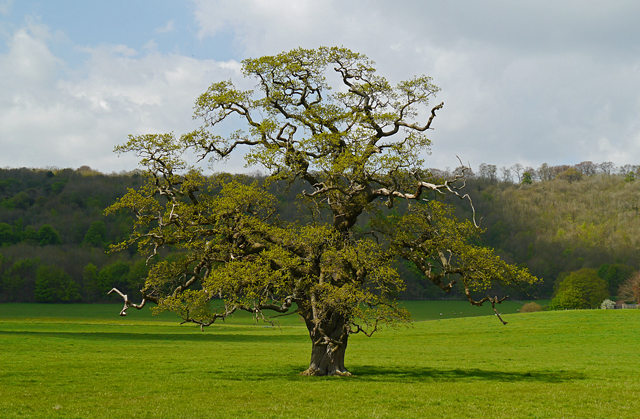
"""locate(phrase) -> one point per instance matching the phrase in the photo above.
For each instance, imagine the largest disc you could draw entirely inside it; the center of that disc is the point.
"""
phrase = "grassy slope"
(541, 365)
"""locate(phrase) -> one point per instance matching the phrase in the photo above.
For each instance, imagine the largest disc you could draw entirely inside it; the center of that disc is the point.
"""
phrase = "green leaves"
(221, 100)
(157, 152)
(580, 289)
(442, 247)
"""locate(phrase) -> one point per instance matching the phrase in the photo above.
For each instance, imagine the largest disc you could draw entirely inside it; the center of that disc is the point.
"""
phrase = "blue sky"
(523, 82)
(168, 25)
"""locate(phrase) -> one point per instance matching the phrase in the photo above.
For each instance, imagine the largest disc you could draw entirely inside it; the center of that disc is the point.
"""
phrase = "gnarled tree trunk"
(328, 346)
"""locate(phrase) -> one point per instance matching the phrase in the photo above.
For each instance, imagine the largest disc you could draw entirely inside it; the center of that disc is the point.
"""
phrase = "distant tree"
(628, 168)
(556, 170)
(47, 235)
(22, 200)
(54, 285)
(587, 168)
(630, 177)
(97, 234)
(527, 179)
(488, 172)
(7, 235)
(607, 167)
(507, 176)
(57, 187)
(630, 289)
(580, 289)
(532, 172)
(570, 175)
(518, 169)
(440, 174)
(545, 172)
(86, 170)
(614, 275)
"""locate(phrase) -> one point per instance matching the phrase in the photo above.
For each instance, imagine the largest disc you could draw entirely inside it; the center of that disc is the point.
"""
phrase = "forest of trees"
(555, 220)
(567, 218)
(54, 235)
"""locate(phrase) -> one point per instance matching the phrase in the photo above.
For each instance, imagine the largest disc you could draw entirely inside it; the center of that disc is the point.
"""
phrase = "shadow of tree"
(404, 374)
(415, 374)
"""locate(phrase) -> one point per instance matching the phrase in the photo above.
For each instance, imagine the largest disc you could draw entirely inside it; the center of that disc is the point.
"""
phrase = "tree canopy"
(580, 289)
(326, 118)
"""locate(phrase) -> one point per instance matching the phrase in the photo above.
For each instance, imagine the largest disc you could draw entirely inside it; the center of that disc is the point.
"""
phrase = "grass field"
(80, 361)
(420, 310)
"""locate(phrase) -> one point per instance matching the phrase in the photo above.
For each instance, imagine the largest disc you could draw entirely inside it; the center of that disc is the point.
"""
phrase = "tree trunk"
(328, 346)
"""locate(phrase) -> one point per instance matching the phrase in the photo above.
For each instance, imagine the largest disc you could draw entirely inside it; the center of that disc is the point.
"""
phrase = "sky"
(529, 82)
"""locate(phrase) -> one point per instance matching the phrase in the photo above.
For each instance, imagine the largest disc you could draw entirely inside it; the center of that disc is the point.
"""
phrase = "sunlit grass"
(420, 310)
(540, 365)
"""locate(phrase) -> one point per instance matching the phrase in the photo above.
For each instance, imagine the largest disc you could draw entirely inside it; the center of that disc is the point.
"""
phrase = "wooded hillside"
(554, 221)
(564, 219)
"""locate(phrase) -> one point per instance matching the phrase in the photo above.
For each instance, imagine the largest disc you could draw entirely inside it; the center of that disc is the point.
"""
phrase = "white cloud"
(28, 61)
(78, 119)
(169, 27)
(5, 6)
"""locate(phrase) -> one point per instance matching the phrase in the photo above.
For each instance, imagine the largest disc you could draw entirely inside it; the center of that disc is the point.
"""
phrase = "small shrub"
(530, 307)
(608, 304)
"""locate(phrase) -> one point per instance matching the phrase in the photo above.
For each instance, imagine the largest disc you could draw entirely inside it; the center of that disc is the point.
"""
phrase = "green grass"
(441, 310)
(85, 362)
(420, 310)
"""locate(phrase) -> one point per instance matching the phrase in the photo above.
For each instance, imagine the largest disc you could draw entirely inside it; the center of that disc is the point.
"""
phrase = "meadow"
(83, 361)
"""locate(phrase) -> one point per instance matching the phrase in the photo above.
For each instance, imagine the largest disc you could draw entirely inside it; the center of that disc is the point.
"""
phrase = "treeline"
(526, 174)
(54, 235)
(554, 220)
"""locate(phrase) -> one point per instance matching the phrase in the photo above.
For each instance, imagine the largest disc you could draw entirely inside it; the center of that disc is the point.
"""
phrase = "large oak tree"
(358, 144)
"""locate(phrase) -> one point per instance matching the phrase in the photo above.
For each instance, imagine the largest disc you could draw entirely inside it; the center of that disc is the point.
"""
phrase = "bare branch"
(493, 302)
(428, 125)
(360, 329)
(127, 302)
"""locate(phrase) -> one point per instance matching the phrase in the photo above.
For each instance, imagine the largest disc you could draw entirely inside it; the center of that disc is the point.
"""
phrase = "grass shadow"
(416, 374)
(406, 374)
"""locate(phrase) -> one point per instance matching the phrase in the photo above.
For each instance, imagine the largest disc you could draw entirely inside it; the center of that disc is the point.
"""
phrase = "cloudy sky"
(529, 82)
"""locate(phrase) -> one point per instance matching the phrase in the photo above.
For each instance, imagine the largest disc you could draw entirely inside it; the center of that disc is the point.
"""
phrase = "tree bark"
(328, 346)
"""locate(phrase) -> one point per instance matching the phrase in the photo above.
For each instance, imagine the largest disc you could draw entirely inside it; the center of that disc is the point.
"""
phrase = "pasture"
(83, 361)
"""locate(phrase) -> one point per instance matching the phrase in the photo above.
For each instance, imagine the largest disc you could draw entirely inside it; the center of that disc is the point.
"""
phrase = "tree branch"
(127, 302)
